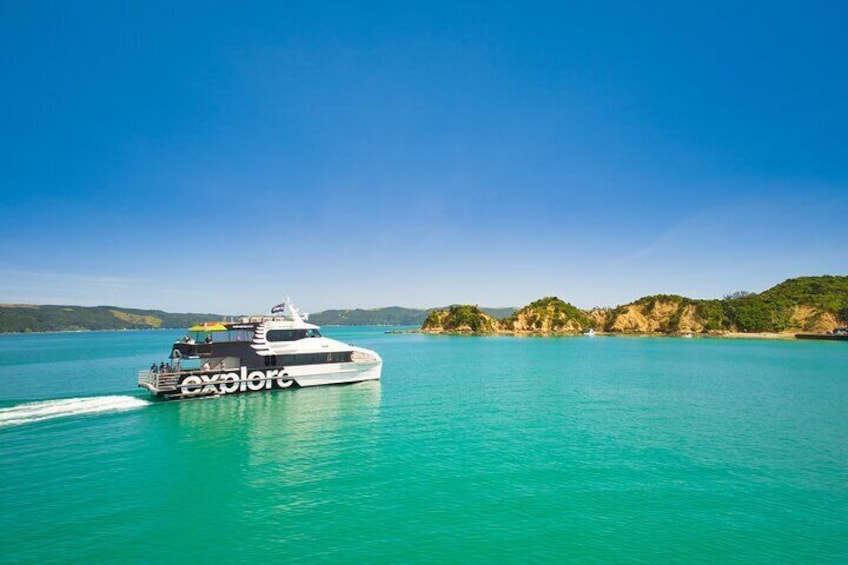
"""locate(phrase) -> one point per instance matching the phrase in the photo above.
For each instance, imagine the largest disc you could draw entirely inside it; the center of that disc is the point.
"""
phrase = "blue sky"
(364, 154)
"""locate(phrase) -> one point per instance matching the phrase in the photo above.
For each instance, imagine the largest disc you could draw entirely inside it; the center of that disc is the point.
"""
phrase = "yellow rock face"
(546, 317)
(657, 316)
(689, 322)
(810, 319)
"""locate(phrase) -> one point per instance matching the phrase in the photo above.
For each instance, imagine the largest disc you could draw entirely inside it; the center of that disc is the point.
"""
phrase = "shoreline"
(783, 336)
(780, 336)
(86, 331)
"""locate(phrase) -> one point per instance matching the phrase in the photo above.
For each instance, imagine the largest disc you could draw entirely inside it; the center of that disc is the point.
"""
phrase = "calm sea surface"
(471, 449)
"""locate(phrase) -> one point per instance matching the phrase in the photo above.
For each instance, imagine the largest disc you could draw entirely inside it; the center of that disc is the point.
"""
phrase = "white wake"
(50, 409)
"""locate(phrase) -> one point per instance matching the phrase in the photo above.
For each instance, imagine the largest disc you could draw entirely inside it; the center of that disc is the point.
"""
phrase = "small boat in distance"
(838, 334)
(257, 353)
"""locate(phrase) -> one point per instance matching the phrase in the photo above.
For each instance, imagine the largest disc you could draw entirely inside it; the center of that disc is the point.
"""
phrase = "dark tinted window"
(315, 358)
(285, 335)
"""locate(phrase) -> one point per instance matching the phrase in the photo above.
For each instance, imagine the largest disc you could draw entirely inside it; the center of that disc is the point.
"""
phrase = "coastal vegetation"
(390, 316)
(25, 318)
(547, 315)
(804, 304)
(461, 319)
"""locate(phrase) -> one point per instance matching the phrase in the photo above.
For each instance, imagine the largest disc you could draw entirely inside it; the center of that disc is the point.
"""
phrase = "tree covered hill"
(50, 318)
(547, 315)
(460, 319)
(24, 318)
(390, 316)
(813, 304)
(804, 304)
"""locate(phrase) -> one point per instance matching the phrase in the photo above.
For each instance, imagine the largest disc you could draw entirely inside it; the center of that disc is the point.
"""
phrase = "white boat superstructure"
(258, 353)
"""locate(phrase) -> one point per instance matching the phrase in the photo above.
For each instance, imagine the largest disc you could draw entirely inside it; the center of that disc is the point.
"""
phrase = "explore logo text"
(230, 382)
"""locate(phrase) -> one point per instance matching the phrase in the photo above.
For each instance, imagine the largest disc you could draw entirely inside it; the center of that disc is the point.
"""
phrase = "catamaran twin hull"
(245, 379)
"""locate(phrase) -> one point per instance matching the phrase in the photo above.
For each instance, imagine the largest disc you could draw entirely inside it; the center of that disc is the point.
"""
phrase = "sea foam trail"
(50, 409)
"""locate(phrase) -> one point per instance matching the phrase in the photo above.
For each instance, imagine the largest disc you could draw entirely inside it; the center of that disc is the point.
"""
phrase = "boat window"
(242, 335)
(316, 358)
(313, 333)
(285, 335)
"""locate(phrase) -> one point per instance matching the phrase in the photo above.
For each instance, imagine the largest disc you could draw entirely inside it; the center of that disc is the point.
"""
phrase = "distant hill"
(808, 304)
(390, 316)
(804, 304)
(24, 318)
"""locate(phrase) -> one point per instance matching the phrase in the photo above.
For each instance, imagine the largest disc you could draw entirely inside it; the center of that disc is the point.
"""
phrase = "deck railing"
(156, 382)
(147, 379)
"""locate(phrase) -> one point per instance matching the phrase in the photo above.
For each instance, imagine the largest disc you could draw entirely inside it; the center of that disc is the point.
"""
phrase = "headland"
(805, 304)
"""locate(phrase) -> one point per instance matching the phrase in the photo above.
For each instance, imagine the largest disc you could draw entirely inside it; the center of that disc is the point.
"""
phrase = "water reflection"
(295, 437)
(298, 412)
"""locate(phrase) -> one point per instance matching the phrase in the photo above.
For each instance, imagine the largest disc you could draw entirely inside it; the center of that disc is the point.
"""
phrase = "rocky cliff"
(668, 314)
(805, 304)
(546, 316)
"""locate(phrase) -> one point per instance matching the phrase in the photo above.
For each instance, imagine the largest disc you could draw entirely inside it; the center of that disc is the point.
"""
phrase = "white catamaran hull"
(303, 376)
(244, 379)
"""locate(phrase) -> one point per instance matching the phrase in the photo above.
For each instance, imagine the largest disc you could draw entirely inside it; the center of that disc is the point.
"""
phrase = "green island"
(804, 304)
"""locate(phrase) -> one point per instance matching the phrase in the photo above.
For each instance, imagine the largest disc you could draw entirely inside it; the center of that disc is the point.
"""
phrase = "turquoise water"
(471, 449)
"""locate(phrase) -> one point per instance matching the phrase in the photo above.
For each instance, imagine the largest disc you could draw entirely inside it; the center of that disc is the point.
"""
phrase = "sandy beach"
(759, 335)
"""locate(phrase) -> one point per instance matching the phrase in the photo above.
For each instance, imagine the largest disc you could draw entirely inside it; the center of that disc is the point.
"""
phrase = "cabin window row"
(308, 358)
(291, 335)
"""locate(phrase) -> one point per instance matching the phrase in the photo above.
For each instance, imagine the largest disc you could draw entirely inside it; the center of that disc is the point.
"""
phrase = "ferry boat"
(258, 353)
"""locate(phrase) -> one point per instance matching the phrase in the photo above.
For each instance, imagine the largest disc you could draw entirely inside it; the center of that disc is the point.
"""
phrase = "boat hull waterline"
(246, 379)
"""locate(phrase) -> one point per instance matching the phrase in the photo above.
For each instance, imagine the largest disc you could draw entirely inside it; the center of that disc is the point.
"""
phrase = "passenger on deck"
(153, 368)
(209, 338)
(162, 367)
(189, 339)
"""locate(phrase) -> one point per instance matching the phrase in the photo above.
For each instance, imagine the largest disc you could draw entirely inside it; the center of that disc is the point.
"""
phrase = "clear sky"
(205, 157)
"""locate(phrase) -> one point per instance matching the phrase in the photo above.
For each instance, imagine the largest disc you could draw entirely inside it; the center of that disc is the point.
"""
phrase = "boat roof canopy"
(208, 327)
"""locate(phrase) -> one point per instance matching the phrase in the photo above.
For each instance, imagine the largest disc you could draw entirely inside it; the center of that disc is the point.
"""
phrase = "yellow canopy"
(208, 327)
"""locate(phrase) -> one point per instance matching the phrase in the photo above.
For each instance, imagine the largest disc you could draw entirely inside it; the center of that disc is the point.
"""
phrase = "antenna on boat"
(293, 313)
